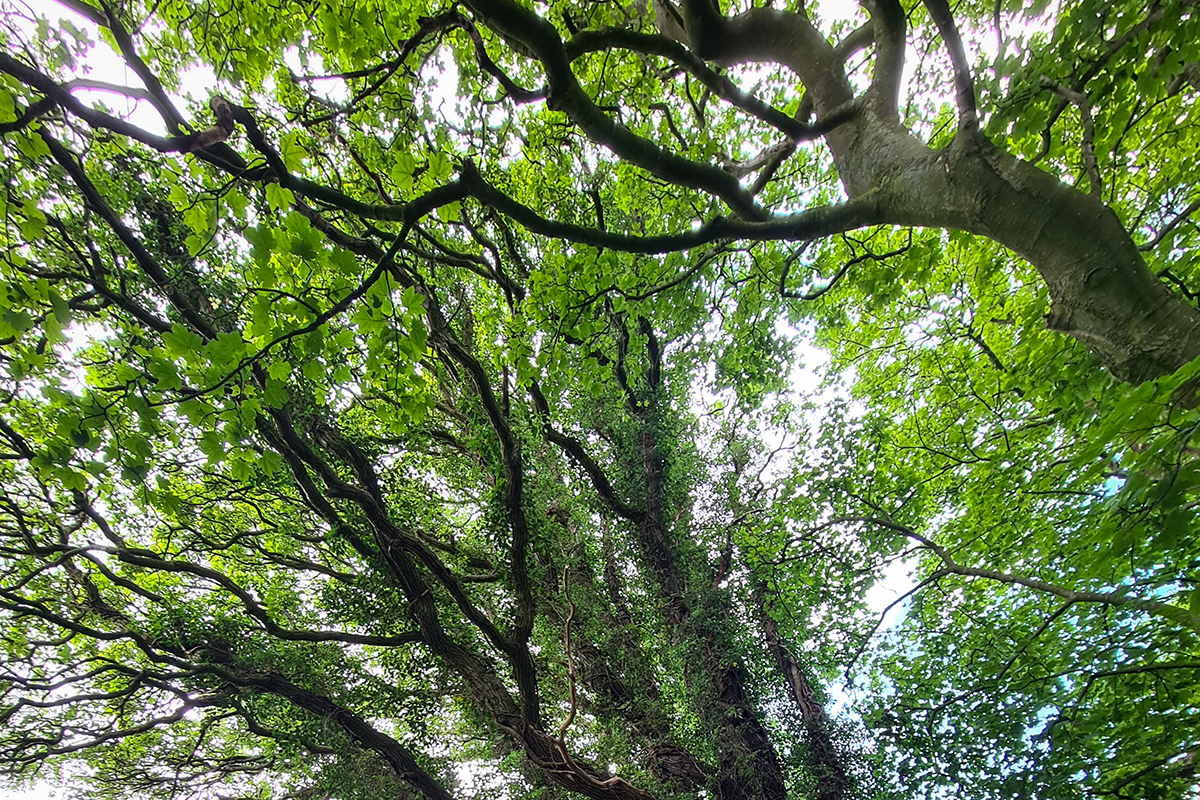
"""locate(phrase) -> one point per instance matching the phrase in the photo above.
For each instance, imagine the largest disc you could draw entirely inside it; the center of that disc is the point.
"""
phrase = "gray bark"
(1101, 290)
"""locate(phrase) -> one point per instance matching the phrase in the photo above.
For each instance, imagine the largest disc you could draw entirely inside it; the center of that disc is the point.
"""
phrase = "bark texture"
(1102, 292)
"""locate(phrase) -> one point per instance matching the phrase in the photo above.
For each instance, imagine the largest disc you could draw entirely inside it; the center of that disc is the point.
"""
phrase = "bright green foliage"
(380, 450)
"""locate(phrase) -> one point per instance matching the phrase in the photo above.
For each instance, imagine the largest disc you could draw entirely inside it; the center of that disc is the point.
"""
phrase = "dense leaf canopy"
(535, 399)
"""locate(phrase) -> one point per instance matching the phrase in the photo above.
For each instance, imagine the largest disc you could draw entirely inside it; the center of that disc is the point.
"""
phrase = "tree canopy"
(500, 398)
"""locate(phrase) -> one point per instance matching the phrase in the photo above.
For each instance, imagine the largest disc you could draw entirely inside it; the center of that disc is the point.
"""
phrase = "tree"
(369, 436)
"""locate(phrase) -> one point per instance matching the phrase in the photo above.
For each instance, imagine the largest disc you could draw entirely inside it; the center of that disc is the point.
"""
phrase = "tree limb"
(1087, 144)
(964, 84)
(527, 30)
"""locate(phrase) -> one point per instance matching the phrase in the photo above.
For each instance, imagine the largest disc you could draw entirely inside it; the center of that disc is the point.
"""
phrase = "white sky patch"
(38, 791)
(840, 10)
(103, 63)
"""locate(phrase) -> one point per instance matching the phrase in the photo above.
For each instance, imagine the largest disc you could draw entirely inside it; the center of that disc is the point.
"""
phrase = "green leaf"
(292, 153)
(181, 342)
(313, 369)
(279, 198)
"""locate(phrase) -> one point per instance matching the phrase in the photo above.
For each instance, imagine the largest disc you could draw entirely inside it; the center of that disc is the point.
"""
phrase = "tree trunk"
(1101, 291)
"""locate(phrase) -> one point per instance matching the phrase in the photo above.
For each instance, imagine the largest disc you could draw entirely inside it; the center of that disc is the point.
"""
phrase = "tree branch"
(526, 30)
(61, 95)
(1154, 13)
(890, 27)
(1175, 222)
(964, 84)
(587, 41)
(576, 451)
(1087, 143)
(392, 751)
(811, 224)
(1176, 614)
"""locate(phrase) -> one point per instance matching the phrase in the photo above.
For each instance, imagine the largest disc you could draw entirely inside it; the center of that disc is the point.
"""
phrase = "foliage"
(421, 410)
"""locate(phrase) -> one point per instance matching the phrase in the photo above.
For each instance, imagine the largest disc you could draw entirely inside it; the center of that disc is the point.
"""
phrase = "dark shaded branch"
(765, 35)
(519, 94)
(574, 448)
(831, 779)
(406, 213)
(814, 294)
(27, 116)
(391, 539)
(652, 44)
(814, 223)
(811, 224)
(146, 262)
(158, 95)
(514, 478)
(392, 751)
(86, 10)
(147, 559)
(527, 31)
(426, 27)
(62, 96)
(18, 442)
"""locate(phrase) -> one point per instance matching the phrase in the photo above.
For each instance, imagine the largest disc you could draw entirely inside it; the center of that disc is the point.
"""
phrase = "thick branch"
(527, 31)
(651, 44)
(61, 95)
(147, 559)
(148, 264)
(832, 780)
(811, 224)
(392, 751)
(890, 28)
(576, 451)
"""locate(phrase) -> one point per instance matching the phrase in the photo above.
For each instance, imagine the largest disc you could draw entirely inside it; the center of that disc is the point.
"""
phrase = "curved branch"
(576, 451)
(858, 39)
(28, 115)
(1176, 614)
(61, 95)
(1087, 142)
(814, 223)
(145, 261)
(426, 26)
(1175, 222)
(158, 95)
(1153, 15)
(652, 44)
(527, 31)
(147, 559)
(392, 751)
(814, 294)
